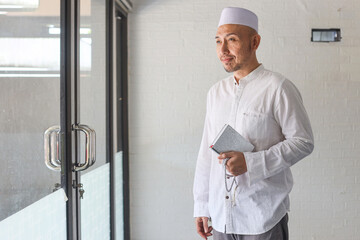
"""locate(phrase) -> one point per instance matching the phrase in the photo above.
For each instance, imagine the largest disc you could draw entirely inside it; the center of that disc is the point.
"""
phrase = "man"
(267, 110)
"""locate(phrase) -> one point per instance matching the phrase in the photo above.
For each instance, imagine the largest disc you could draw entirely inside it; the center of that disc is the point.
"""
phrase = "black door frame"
(69, 109)
(68, 75)
(120, 38)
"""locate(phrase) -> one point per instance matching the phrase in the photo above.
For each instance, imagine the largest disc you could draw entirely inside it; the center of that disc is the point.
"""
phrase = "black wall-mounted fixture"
(325, 35)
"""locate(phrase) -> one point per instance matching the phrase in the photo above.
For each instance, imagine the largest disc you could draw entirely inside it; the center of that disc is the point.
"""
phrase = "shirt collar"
(251, 76)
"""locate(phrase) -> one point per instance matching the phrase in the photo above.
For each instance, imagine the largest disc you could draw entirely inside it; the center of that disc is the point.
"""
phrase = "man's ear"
(255, 41)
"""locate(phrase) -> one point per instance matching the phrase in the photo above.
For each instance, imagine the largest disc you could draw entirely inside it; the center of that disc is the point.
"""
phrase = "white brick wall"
(172, 66)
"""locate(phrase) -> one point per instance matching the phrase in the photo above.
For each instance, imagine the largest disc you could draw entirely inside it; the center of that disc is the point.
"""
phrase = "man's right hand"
(202, 227)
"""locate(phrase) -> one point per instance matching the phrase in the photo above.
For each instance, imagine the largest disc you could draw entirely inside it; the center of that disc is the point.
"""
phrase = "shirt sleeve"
(202, 172)
(298, 141)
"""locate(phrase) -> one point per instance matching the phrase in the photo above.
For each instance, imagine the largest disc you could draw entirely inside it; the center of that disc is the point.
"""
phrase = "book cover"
(229, 140)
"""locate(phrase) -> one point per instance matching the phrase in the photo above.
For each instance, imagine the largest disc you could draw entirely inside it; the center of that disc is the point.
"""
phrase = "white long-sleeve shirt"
(266, 109)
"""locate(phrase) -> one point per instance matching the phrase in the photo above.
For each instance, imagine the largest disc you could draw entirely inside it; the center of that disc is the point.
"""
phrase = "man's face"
(233, 46)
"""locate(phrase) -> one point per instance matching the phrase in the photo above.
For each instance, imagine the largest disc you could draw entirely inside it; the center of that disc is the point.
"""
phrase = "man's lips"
(226, 59)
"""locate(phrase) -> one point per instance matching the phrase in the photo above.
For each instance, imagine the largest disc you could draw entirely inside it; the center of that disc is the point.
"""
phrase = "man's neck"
(245, 71)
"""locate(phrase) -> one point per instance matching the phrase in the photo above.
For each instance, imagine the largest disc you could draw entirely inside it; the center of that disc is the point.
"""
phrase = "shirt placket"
(232, 121)
(235, 103)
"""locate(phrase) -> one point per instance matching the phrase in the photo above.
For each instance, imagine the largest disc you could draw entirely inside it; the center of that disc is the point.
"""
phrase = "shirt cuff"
(255, 162)
(201, 210)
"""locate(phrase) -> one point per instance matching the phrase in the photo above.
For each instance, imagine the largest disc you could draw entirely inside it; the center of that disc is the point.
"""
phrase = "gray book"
(229, 140)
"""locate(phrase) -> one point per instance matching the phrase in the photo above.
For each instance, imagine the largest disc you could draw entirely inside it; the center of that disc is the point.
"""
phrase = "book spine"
(212, 147)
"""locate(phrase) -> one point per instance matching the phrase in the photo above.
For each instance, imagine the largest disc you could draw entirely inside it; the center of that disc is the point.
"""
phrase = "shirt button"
(227, 197)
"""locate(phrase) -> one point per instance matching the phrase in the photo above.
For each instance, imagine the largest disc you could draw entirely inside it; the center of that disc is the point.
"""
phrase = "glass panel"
(95, 206)
(119, 210)
(29, 101)
(44, 219)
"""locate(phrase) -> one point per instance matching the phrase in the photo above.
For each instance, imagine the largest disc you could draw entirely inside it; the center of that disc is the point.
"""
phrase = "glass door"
(93, 204)
(30, 188)
(93, 111)
(58, 161)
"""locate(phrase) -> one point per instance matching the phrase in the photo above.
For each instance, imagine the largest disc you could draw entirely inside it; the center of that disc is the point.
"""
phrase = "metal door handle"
(51, 148)
(90, 146)
(93, 147)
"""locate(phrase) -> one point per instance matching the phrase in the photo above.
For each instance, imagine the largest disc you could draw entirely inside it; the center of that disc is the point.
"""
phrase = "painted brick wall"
(172, 66)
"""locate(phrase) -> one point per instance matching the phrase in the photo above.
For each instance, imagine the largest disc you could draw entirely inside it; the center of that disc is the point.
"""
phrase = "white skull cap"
(241, 16)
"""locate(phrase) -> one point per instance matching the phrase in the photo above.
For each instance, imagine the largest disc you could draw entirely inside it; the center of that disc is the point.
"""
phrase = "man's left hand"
(236, 164)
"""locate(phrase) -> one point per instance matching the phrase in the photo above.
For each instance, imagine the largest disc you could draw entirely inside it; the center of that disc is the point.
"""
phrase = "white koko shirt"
(266, 109)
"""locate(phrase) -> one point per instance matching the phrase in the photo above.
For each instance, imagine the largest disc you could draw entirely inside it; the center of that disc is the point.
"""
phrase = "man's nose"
(224, 48)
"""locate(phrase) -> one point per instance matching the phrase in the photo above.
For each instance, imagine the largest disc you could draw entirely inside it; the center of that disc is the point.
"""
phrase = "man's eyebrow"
(229, 34)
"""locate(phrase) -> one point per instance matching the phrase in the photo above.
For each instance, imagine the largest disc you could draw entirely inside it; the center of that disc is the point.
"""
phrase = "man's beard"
(233, 69)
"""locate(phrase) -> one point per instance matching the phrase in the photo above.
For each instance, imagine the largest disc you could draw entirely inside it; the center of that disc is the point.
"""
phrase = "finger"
(205, 224)
(226, 155)
(200, 231)
(200, 227)
(210, 230)
(203, 235)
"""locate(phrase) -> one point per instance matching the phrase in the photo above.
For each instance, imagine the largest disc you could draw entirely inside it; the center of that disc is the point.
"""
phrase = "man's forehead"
(227, 29)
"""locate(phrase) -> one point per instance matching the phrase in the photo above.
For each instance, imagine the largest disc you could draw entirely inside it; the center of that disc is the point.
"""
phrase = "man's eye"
(218, 42)
(231, 39)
